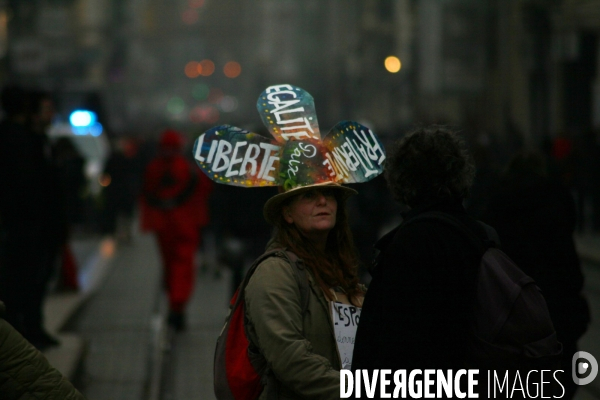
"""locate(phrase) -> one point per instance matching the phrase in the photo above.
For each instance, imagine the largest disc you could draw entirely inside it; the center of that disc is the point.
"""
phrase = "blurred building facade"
(524, 68)
(509, 67)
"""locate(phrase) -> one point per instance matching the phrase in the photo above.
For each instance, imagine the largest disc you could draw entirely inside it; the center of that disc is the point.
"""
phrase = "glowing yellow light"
(392, 64)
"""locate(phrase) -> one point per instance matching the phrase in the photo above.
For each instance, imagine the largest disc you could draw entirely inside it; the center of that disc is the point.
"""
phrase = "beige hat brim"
(273, 205)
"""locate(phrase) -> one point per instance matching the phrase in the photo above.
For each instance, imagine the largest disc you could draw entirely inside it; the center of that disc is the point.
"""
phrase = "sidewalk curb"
(59, 308)
(159, 352)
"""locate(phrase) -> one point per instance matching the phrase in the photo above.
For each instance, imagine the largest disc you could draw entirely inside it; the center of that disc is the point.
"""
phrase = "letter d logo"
(589, 363)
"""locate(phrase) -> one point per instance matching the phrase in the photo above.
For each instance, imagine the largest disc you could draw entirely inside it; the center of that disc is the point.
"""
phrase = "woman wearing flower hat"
(300, 347)
(301, 325)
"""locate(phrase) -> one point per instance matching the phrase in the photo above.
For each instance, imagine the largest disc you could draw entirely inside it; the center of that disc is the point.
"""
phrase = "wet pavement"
(122, 322)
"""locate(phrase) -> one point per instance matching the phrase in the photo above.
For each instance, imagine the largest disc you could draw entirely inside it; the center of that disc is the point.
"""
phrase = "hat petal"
(234, 156)
(288, 112)
(302, 164)
(355, 153)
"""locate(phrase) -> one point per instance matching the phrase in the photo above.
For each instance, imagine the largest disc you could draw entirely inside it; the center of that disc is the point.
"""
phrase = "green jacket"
(25, 373)
(300, 350)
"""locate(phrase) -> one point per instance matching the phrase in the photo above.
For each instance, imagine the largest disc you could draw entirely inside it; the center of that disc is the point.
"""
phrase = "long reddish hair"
(337, 265)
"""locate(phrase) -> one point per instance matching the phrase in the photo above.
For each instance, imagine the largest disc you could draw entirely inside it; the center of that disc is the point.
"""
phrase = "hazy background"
(500, 68)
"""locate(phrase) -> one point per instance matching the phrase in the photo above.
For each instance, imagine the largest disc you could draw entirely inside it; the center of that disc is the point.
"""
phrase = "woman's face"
(313, 212)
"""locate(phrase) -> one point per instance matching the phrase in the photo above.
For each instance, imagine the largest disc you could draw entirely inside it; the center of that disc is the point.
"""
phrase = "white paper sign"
(345, 322)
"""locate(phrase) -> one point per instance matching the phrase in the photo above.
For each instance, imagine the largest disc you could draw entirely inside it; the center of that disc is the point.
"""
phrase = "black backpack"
(511, 325)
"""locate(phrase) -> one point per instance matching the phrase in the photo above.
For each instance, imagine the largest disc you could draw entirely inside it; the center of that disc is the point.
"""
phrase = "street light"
(392, 64)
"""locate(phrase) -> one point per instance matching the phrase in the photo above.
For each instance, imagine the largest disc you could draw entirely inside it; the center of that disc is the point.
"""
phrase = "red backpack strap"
(239, 296)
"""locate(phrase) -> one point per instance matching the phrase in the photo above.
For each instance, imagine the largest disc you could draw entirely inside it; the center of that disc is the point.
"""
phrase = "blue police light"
(82, 118)
(85, 122)
(96, 129)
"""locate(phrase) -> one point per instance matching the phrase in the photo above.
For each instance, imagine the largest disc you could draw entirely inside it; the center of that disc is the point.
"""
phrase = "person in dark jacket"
(122, 178)
(417, 309)
(24, 371)
(535, 218)
(31, 212)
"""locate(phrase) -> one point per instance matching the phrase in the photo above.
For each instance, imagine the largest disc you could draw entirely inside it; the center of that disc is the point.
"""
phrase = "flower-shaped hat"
(296, 158)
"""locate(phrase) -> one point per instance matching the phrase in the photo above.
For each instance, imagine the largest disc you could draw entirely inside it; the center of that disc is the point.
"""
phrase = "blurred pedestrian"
(564, 156)
(367, 221)
(25, 373)
(121, 180)
(535, 219)
(31, 211)
(71, 172)
(240, 231)
(70, 169)
(586, 181)
(174, 207)
(486, 178)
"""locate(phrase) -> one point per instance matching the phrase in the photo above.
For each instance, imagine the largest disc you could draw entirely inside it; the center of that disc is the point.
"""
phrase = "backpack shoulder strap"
(239, 294)
(297, 266)
(301, 277)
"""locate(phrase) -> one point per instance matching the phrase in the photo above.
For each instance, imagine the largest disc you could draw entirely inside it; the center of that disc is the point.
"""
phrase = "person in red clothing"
(174, 207)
